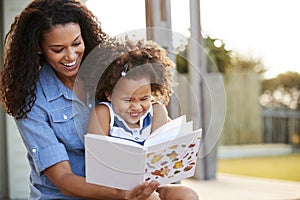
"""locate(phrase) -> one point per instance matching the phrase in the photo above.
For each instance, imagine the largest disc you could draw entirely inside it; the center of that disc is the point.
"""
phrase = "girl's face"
(131, 99)
(63, 48)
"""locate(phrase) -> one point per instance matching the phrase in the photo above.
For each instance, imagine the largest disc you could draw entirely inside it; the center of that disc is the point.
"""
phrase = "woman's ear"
(39, 51)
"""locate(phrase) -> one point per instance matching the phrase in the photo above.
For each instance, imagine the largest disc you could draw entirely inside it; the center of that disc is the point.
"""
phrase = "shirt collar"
(52, 86)
(145, 120)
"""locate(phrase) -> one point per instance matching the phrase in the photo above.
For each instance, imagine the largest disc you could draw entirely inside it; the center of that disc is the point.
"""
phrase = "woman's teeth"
(70, 64)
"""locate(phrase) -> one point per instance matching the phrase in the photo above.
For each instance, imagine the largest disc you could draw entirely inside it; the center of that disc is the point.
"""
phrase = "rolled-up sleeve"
(40, 140)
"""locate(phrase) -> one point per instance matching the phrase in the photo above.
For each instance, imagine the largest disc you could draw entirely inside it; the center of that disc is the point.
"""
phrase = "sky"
(265, 29)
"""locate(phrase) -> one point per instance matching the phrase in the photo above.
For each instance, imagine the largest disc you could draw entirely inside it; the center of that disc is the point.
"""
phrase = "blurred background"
(238, 77)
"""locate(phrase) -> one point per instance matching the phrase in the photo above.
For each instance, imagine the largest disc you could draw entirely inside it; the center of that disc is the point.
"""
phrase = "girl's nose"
(136, 105)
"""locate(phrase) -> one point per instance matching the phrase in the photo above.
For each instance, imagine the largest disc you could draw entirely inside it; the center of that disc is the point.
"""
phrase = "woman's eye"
(57, 50)
(77, 43)
(60, 50)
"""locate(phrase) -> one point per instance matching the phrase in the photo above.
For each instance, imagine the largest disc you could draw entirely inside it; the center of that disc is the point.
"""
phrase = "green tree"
(287, 80)
(281, 91)
(217, 55)
(181, 63)
(240, 62)
(218, 58)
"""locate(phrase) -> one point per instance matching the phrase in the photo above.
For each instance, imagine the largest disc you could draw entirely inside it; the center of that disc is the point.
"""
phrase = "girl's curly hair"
(21, 59)
(138, 59)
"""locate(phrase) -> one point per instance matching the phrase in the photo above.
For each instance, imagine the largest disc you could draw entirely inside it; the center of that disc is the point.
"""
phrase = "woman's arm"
(72, 185)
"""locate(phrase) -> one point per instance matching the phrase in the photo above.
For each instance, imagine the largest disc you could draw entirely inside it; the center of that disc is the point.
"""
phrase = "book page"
(114, 164)
(173, 160)
(169, 131)
(115, 140)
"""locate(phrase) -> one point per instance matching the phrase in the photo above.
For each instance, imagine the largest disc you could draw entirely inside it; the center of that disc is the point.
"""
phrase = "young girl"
(133, 92)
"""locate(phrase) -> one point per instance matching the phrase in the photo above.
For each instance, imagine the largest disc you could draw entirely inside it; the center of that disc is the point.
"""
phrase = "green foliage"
(287, 80)
(240, 62)
(217, 55)
(181, 63)
(219, 59)
(282, 91)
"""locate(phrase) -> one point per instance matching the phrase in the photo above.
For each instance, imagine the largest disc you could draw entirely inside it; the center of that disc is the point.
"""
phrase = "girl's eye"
(145, 98)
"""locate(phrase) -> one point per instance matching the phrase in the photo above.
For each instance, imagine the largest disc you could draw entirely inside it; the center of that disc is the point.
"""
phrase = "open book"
(168, 155)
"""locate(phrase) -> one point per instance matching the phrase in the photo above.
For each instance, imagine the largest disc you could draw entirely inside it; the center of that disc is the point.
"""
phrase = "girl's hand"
(142, 191)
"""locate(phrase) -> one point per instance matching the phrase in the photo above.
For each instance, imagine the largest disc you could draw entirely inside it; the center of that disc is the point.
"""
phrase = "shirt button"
(65, 117)
(33, 150)
(136, 138)
(135, 131)
(90, 105)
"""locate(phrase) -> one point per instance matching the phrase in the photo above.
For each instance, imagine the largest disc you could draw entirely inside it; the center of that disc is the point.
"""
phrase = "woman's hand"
(76, 186)
(143, 191)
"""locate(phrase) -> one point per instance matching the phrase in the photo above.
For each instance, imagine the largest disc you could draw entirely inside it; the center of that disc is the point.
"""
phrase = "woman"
(44, 49)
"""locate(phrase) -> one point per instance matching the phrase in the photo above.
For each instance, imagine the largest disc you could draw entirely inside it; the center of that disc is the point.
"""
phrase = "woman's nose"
(70, 55)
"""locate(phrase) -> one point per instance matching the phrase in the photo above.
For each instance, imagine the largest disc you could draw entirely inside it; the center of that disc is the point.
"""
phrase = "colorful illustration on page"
(171, 162)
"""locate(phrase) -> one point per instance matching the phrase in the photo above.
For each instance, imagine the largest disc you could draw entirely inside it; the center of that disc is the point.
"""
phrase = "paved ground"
(233, 187)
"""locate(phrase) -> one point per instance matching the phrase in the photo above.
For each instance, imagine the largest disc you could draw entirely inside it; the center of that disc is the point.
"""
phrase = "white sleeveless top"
(119, 128)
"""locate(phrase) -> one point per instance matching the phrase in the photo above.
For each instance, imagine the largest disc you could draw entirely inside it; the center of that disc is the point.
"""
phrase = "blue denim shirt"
(53, 132)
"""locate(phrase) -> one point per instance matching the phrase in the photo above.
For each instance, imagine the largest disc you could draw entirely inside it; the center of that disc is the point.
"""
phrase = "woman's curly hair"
(138, 59)
(22, 62)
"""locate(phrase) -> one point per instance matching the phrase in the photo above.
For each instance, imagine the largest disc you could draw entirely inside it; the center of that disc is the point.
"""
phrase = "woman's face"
(63, 48)
(131, 99)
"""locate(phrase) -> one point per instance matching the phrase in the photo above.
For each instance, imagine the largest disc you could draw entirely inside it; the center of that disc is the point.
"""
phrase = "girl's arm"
(72, 185)
(99, 120)
(160, 116)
